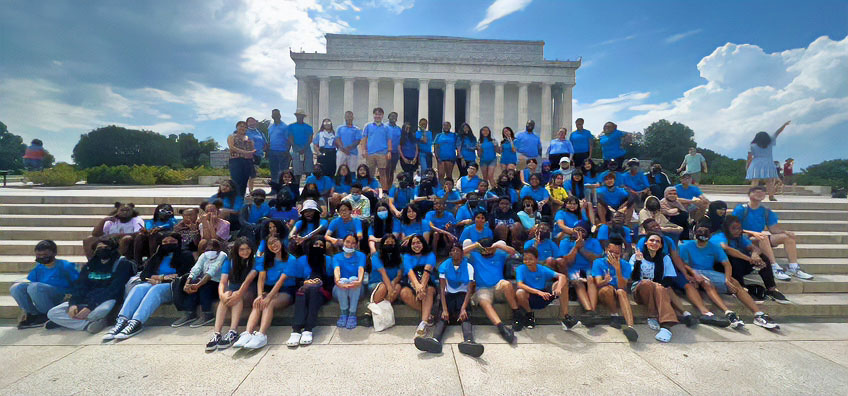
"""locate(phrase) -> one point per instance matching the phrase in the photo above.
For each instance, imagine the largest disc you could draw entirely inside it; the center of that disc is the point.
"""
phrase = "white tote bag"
(382, 313)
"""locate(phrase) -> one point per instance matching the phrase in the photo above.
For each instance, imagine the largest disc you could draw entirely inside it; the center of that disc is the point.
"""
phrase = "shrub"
(59, 175)
(142, 174)
(165, 175)
(104, 174)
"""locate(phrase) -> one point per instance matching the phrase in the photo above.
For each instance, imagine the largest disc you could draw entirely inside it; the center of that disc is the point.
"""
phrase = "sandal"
(664, 335)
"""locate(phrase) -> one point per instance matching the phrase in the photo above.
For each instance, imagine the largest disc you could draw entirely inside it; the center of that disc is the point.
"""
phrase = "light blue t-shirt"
(413, 228)
(611, 145)
(325, 183)
(471, 232)
(422, 146)
(560, 147)
(394, 132)
(702, 258)
(693, 162)
(447, 142)
(412, 261)
(301, 135)
(287, 266)
(603, 233)
(349, 265)
(755, 219)
(377, 265)
(580, 140)
(528, 144)
(637, 182)
(741, 244)
(600, 267)
(488, 151)
(536, 279)
(165, 267)
(547, 248)
(614, 198)
(279, 136)
(539, 193)
(305, 229)
(688, 193)
(468, 149)
(439, 222)
(165, 225)
(348, 135)
(508, 157)
(341, 229)
(258, 140)
(378, 138)
(668, 243)
(62, 275)
(468, 184)
(488, 271)
(580, 262)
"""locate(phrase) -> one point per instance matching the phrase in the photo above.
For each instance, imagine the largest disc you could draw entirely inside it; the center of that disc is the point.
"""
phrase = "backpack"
(745, 214)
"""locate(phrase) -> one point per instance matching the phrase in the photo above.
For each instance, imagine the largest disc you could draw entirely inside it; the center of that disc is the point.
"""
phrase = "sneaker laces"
(119, 325)
(131, 325)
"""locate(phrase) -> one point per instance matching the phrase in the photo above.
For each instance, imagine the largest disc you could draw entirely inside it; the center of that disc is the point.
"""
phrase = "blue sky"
(726, 69)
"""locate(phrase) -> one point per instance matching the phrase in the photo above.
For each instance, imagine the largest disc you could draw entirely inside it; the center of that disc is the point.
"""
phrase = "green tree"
(114, 145)
(12, 150)
(667, 143)
(193, 152)
(832, 173)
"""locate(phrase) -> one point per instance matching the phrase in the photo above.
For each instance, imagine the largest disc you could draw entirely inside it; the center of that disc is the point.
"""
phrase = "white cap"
(310, 204)
(564, 159)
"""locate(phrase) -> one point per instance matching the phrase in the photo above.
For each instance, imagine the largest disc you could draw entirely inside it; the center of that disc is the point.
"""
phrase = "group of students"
(439, 247)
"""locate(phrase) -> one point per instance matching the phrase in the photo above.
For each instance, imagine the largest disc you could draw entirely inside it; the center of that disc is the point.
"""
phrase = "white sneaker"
(799, 274)
(257, 340)
(294, 340)
(306, 339)
(243, 339)
(653, 324)
(779, 274)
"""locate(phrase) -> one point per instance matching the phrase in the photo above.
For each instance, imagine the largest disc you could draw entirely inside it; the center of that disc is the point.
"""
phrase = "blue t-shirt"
(547, 248)
(618, 178)
(468, 148)
(408, 148)
(668, 243)
(755, 219)
(456, 277)
(376, 266)
(528, 144)
(394, 132)
(508, 157)
(580, 139)
(303, 262)
(439, 222)
(488, 154)
(613, 198)
(401, 196)
(447, 142)
(305, 229)
(165, 267)
(603, 233)
(467, 185)
(451, 196)
(229, 203)
(341, 187)
(536, 279)
(413, 261)
(637, 182)
(324, 184)
(301, 135)
(62, 275)
(570, 219)
(539, 193)
(279, 136)
(688, 193)
(560, 147)
(258, 140)
(289, 267)
(600, 267)
(372, 184)
(258, 212)
(378, 138)
(341, 229)
(424, 147)
(165, 225)
(488, 271)
(349, 265)
(470, 232)
(611, 145)
(702, 258)
(580, 262)
(349, 135)
(413, 228)
(741, 244)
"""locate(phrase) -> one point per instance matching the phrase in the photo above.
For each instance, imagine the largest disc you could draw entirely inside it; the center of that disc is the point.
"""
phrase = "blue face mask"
(355, 197)
(383, 215)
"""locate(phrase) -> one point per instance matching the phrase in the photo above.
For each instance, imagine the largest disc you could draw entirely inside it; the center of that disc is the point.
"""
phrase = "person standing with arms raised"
(760, 165)
(612, 144)
(582, 141)
(377, 140)
(279, 157)
(300, 137)
(528, 144)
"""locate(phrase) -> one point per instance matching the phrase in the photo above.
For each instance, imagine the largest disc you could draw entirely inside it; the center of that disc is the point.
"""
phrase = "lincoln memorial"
(482, 82)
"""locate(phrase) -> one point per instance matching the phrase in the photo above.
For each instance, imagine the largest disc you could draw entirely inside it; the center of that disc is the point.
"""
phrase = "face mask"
(348, 251)
(103, 253)
(653, 206)
(168, 248)
(472, 204)
(703, 236)
(166, 214)
(211, 255)
(545, 235)
(383, 215)
(355, 197)
(503, 183)
(258, 201)
(44, 260)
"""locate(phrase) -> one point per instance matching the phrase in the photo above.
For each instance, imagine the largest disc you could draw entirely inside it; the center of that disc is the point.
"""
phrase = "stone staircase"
(820, 222)
(786, 190)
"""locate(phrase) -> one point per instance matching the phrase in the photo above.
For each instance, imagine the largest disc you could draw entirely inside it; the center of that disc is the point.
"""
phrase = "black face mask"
(103, 253)
(544, 235)
(652, 205)
(472, 204)
(168, 248)
(503, 183)
(45, 259)
(258, 201)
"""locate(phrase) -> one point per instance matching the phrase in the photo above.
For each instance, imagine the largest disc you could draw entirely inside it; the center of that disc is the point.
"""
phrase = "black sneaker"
(616, 321)
(713, 320)
(734, 320)
(49, 325)
(631, 334)
(32, 321)
(228, 339)
(203, 319)
(569, 322)
(132, 328)
(366, 320)
(119, 325)
(518, 320)
(589, 319)
(530, 320)
(689, 320)
(763, 320)
(96, 326)
(428, 344)
(185, 318)
(777, 296)
(507, 333)
(213, 342)
(471, 348)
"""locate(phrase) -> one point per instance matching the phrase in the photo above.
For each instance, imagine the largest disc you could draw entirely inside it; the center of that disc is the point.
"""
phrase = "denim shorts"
(718, 279)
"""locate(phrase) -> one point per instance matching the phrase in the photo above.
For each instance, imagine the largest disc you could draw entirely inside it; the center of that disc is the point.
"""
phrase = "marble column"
(424, 101)
(565, 113)
(348, 94)
(522, 104)
(557, 94)
(547, 118)
(323, 98)
(450, 103)
(499, 108)
(397, 105)
(474, 106)
(314, 99)
(302, 93)
(373, 91)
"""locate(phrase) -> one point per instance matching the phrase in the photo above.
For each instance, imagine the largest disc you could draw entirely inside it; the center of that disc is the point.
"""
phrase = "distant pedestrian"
(347, 140)
(34, 155)
(693, 164)
(788, 172)
(760, 165)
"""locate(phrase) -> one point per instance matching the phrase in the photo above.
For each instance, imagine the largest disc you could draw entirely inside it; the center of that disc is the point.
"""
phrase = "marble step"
(798, 214)
(25, 247)
(91, 209)
(103, 199)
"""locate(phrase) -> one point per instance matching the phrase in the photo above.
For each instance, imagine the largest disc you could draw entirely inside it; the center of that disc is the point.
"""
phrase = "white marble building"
(483, 82)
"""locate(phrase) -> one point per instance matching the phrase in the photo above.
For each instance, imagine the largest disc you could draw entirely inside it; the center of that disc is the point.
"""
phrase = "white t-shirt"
(463, 288)
(135, 224)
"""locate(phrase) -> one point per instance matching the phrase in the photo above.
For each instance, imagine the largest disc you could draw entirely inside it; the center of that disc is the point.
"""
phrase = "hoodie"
(645, 214)
(99, 282)
(671, 208)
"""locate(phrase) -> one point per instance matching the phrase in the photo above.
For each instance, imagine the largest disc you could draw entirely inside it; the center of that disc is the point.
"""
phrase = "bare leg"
(770, 187)
(714, 296)
(235, 314)
(380, 293)
(592, 291)
(607, 298)
(736, 289)
(582, 296)
(427, 304)
(509, 293)
(88, 246)
(281, 301)
(695, 298)
(563, 299)
(624, 304)
(408, 298)
(490, 312)
(788, 245)
(765, 247)
(523, 299)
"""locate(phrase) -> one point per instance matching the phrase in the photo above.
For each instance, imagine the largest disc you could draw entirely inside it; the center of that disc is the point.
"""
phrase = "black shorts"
(290, 290)
(537, 302)
(454, 304)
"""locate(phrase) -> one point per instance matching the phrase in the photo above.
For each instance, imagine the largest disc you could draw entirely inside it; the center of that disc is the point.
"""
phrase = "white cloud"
(165, 128)
(212, 103)
(395, 6)
(748, 90)
(500, 9)
(615, 40)
(680, 36)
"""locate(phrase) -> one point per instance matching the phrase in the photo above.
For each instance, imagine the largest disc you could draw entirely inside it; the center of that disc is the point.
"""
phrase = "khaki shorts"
(377, 161)
(491, 294)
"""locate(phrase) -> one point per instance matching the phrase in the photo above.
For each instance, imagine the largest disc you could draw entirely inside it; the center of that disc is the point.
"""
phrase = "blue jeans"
(348, 299)
(426, 160)
(36, 298)
(144, 299)
(240, 170)
(279, 161)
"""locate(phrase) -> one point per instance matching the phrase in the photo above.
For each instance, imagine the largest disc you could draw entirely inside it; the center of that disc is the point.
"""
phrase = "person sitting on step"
(46, 286)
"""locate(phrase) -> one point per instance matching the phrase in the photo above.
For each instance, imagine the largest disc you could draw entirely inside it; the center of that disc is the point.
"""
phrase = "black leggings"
(454, 303)
(682, 219)
(205, 296)
(306, 308)
(740, 268)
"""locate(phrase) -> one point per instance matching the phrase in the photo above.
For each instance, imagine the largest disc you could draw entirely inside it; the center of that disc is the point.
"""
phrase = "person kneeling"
(456, 285)
(612, 275)
(533, 293)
